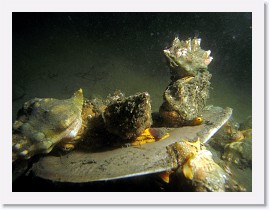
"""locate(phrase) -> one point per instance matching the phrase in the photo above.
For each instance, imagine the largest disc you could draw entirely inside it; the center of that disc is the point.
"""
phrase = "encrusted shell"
(206, 175)
(129, 117)
(186, 58)
(42, 123)
(184, 99)
(239, 152)
(197, 166)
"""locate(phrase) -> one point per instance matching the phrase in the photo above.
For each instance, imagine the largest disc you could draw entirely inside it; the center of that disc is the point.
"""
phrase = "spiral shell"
(42, 123)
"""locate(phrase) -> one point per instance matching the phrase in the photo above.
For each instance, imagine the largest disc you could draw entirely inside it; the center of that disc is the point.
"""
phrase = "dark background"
(228, 35)
(53, 49)
(56, 53)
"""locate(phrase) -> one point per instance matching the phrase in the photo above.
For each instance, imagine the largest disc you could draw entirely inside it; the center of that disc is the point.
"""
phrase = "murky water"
(55, 54)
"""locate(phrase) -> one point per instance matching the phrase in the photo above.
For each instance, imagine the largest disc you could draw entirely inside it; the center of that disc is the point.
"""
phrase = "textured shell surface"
(186, 58)
(188, 96)
(129, 117)
(42, 123)
(206, 174)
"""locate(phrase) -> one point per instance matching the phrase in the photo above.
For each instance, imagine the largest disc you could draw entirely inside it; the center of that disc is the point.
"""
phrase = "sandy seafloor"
(56, 54)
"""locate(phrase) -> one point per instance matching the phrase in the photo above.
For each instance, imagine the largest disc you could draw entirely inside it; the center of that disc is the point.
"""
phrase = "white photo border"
(257, 196)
